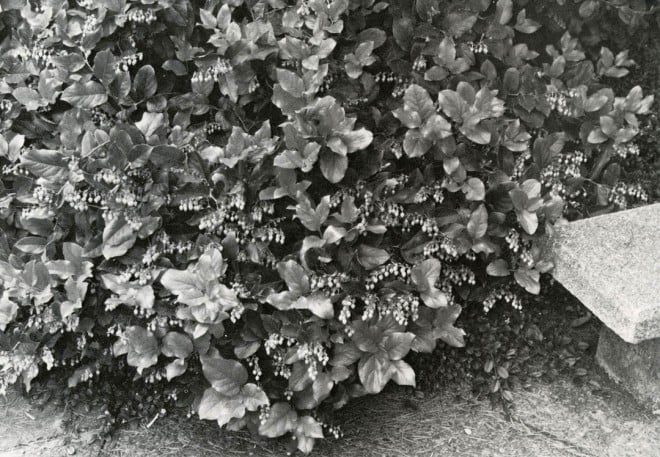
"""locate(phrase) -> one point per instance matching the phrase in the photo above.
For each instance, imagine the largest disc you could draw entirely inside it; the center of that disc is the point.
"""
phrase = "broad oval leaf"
(85, 95)
(281, 420)
(177, 344)
(225, 376)
(371, 257)
(145, 84)
(118, 238)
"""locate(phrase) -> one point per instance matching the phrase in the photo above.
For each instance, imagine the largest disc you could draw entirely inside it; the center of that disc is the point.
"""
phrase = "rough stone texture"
(611, 263)
(636, 366)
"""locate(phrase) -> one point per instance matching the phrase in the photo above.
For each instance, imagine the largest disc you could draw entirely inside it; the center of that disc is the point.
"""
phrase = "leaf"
(596, 136)
(444, 328)
(478, 223)
(333, 166)
(225, 376)
(595, 102)
(88, 95)
(143, 347)
(528, 279)
(290, 82)
(608, 125)
(312, 218)
(357, 140)
(408, 118)
(417, 100)
(374, 372)
(474, 189)
(436, 128)
(588, 8)
(458, 23)
(145, 84)
(414, 144)
(425, 275)
(175, 66)
(294, 276)
(8, 310)
(317, 303)
(45, 163)
(305, 160)
(104, 66)
(611, 174)
(403, 31)
(29, 98)
(218, 407)
(498, 267)
(151, 123)
(476, 134)
(118, 238)
(398, 344)
(504, 11)
(176, 344)
(375, 35)
(306, 431)
(31, 245)
(452, 104)
(525, 25)
(402, 373)
(281, 420)
(175, 368)
(532, 188)
(527, 220)
(253, 397)
(370, 257)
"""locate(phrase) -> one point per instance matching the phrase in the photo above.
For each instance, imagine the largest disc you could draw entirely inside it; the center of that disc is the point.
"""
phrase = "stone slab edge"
(632, 322)
(609, 312)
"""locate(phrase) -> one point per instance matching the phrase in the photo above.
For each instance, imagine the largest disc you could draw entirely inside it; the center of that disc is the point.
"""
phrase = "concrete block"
(611, 263)
(635, 366)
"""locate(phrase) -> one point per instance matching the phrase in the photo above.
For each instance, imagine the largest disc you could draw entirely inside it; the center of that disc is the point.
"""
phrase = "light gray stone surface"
(611, 263)
(635, 366)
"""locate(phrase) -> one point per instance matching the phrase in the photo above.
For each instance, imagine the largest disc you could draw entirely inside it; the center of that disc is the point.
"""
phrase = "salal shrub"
(270, 204)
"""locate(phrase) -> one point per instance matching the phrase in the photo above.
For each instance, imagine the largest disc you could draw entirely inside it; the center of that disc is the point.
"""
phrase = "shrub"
(270, 204)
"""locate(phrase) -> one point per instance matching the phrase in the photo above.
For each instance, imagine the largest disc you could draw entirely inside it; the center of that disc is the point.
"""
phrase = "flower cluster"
(562, 101)
(213, 72)
(625, 150)
(563, 168)
(478, 48)
(504, 294)
(140, 16)
(622, 192)
(128, 60)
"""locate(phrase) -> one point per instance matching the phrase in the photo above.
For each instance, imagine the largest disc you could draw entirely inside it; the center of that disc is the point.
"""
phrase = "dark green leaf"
(144, 83)
(225, 376)
(498, 267)
(371, 257)
(374, 371)
(528, 279)
(478, 223)
(177, 344)
(88, 95)
(281, 420)
(118, 238)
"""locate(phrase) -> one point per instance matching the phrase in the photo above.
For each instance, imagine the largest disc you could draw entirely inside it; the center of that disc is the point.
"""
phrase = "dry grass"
(550, 420)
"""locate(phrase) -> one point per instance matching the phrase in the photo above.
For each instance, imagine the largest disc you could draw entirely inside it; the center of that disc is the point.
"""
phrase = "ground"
(565, 413)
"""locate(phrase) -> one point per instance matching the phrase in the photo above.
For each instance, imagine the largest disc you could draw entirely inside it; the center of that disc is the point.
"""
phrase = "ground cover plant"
(256, 210)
